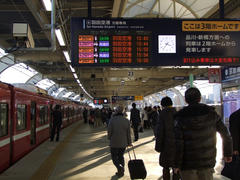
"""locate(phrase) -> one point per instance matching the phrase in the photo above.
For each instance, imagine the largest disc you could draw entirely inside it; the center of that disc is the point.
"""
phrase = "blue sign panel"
(230, 73)
(122, 98)
(154, 42)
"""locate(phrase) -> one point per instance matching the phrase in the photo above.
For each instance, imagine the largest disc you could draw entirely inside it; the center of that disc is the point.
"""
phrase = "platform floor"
(83, 154)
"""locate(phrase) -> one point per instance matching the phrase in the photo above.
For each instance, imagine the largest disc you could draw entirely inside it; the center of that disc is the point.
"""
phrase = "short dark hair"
(119, 109)
(58, 107)
(166, 101)
(133, 105)
(192, 95)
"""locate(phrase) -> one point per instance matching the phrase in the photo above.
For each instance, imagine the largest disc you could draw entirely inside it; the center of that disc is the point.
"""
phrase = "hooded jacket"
(195, 134)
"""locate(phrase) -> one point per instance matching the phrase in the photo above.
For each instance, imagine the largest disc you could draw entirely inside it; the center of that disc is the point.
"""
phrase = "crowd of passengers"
(185, 139)
(98, 117)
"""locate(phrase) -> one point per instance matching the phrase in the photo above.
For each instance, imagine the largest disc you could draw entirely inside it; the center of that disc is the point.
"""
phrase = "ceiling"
(98, 82)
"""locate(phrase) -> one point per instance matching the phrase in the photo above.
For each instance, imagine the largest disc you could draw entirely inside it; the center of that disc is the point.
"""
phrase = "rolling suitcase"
(136, 167)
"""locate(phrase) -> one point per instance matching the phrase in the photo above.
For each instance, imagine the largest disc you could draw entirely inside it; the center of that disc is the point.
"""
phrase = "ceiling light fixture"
(60, 37)
(66, 54)
(72, 69)
(47, 4)
(2, 53)
(75, 75)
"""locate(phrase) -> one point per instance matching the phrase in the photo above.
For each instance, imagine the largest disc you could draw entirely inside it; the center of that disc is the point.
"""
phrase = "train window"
(43, 114)
(21, 116)
(3, 120)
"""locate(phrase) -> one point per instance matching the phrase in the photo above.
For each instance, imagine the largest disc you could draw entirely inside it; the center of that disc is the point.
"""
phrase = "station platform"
(83, 154)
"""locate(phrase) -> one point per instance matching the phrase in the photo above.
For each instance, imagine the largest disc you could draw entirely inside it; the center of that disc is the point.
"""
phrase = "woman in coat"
(165, 137)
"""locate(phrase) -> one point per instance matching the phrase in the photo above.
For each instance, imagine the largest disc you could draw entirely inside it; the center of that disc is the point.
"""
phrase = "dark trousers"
(117, 157)
(135, 130)
(85, 119)
(54, 128)
(166, 174)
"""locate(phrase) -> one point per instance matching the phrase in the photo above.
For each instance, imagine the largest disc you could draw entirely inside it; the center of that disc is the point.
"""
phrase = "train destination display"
(119, 49)
(154, 42)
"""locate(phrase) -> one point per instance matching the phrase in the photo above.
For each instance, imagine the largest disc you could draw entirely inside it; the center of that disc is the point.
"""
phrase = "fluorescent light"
(67, 56)
(60, 37)
(2, 53)
(78, 81)
(75, 75)
(72, 69)
(47, 5)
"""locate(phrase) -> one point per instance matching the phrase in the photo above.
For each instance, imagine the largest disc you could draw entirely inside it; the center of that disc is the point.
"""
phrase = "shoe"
(120, 172)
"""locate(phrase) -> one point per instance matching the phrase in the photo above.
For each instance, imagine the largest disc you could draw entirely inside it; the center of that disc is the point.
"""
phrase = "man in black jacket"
(57, 122)
(195, 134)
(135, 120)
(165, 138)
(234, 128)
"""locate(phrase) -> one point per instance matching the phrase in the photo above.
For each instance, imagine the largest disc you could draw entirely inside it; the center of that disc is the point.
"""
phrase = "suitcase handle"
(133, 152)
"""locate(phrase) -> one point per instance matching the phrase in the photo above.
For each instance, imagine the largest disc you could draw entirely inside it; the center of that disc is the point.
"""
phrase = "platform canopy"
(96, 81)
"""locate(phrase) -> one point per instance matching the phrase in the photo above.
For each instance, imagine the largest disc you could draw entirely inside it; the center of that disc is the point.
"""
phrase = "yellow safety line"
(49, 164)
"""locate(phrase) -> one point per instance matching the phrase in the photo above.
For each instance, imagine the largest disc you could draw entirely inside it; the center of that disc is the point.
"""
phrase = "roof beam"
(39, 15)
(10, 8)
(39, 56)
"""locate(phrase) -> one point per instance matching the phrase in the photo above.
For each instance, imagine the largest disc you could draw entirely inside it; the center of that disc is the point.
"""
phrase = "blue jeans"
(117, 157)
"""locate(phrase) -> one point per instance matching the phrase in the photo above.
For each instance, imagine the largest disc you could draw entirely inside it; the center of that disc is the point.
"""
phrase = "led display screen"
(99, 101)
(154, 42)
(103, 48)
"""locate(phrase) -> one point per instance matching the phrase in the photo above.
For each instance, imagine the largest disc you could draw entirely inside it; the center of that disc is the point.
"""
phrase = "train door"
(51, 119)
(33, 122)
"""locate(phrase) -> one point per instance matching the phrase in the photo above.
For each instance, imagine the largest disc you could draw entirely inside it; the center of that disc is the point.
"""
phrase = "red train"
(25, 121)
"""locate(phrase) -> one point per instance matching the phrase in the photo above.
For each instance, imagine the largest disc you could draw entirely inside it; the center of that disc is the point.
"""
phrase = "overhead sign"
(134, 42)
(230, 73)
(99, 101)
(122, 98)
(180, 78)
(138, 98)
(214, 75)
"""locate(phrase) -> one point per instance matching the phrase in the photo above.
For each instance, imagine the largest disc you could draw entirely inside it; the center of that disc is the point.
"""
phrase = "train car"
(5, 115)
(25, 121)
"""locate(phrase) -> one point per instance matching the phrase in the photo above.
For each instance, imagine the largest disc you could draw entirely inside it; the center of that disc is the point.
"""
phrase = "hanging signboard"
(99, 101)
(230, 73)
(214, 75)
(154, 42)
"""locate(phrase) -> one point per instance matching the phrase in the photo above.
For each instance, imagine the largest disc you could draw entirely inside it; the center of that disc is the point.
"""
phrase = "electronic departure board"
(102, 48)
(154, 42)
